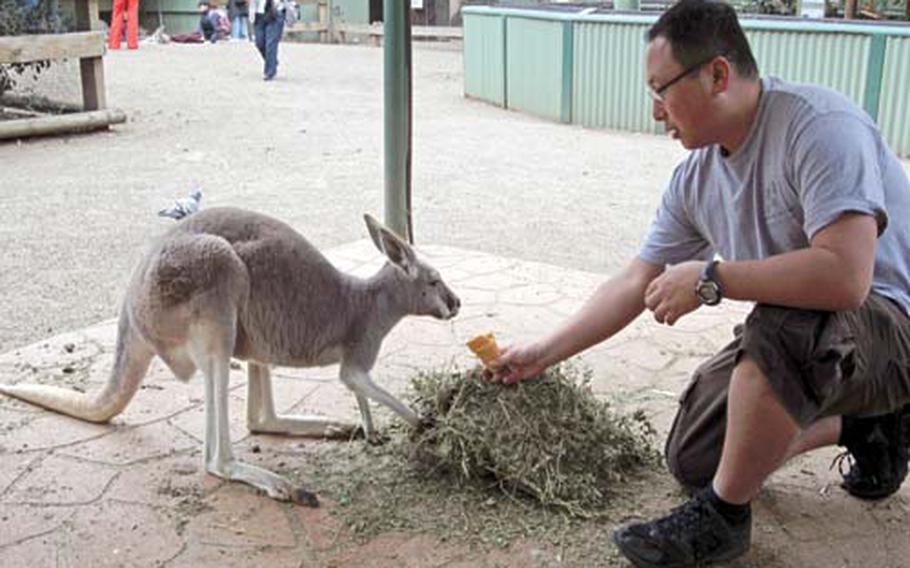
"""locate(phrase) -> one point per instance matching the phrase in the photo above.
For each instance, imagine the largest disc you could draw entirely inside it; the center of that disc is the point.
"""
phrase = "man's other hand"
(671, 295)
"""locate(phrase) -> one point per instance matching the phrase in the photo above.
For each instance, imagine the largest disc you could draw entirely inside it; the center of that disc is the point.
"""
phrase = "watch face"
(709, 293)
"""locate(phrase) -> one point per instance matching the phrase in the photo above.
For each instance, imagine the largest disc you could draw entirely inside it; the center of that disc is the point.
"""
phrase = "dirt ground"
(77, 212)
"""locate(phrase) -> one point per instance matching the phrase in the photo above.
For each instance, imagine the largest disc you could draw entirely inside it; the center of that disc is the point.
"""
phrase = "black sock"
(860, 430)
(847, 427)
(733, 513)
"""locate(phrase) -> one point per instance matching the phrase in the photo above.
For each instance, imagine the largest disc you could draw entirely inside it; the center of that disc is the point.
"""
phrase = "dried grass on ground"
(548, 438)
(544, 460)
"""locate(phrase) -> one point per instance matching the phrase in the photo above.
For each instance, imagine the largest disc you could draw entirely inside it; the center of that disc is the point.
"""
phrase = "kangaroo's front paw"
(426, 424)
(374, 437)
(377, 438)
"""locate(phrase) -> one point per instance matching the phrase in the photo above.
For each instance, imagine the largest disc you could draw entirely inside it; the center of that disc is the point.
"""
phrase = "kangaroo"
(228, 282)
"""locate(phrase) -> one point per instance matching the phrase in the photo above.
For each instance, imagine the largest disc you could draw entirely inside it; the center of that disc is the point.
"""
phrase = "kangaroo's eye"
(433, 282)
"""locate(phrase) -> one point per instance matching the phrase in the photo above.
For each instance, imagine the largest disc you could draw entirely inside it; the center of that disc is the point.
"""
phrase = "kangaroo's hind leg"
(216, 286)
(262, 418)
(211, 344)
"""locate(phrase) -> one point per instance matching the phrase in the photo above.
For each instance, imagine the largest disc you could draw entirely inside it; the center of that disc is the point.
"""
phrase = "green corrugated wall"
(350, 11)
(610, 77)
(796, 56)
(596, 78)
(484, 59)
(534, 66)
(894, 104)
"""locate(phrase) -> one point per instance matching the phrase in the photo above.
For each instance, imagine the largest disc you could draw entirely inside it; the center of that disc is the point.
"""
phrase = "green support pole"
(397, 109)
(874, 70)
(568, 56)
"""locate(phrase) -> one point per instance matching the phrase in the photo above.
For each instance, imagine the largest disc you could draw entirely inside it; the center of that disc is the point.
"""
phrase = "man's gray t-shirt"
(811, 156)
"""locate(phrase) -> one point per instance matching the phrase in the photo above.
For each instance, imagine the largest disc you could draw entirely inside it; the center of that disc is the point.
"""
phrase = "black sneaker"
(693, 534)
(879, 448)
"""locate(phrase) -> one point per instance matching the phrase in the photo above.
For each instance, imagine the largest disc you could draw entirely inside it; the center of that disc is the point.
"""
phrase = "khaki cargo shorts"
(819, 363)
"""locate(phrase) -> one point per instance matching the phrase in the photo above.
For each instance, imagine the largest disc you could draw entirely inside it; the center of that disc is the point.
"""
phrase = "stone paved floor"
(77, 494)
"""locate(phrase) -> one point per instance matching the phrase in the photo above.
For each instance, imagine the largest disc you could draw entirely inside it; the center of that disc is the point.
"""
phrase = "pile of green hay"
(548, 438)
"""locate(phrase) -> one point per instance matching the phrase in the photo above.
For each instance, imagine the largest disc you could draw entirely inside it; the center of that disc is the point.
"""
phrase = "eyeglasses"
(657, 93)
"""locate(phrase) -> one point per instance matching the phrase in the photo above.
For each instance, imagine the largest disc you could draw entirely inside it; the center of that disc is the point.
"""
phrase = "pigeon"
(183, 207)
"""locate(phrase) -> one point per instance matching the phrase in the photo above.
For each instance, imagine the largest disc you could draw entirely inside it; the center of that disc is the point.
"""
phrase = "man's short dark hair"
(701, 29)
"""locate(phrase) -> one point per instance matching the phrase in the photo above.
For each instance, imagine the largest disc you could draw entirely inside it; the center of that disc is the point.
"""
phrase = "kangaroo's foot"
(274, 485)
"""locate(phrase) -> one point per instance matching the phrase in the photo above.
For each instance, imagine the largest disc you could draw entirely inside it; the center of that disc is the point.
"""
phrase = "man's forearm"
(809, 278)
(833, 274)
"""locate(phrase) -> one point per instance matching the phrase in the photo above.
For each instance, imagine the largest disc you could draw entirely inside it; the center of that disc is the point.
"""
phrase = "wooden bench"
(375, 32)
(87, 45)
(320, 26)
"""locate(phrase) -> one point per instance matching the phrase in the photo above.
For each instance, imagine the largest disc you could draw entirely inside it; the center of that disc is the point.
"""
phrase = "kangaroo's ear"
(374, 227)
(390, 244)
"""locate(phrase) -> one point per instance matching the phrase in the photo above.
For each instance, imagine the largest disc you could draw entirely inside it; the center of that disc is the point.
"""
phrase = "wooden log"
(27, 48)
(77, 122)
(38, 103)
(18, 112)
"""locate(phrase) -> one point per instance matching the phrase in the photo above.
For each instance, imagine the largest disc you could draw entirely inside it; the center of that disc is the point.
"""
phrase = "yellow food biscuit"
(484, 346)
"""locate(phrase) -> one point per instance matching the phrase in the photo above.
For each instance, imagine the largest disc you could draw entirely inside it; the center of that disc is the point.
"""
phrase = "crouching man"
(794, 188)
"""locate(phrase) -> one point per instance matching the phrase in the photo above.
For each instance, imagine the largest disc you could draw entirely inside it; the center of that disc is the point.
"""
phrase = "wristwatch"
(708, 289)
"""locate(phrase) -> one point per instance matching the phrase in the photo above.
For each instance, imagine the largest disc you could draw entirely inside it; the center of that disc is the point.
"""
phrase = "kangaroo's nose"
(454, 304)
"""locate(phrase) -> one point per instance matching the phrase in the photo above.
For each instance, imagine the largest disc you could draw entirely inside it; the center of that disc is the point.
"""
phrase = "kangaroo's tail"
(132, 358)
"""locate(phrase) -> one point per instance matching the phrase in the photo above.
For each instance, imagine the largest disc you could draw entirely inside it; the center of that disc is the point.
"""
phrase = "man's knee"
(690, 463)
(696, 438)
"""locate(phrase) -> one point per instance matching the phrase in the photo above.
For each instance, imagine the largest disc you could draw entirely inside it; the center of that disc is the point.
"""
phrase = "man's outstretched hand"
(518, 362)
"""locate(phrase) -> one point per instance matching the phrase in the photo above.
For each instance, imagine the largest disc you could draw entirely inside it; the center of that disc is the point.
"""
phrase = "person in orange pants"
(132, 25)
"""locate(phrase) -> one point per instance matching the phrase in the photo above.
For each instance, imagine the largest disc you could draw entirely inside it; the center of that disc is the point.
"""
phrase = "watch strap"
(707, 274)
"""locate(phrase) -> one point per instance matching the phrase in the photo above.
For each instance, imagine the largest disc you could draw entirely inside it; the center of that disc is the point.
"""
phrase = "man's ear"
(721, 69)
